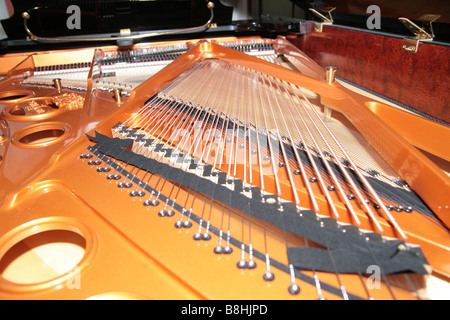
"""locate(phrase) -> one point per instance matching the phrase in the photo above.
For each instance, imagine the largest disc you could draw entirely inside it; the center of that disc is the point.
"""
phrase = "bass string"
(343, 169)
(366, 156)
(265, 87)
(370, 189)
(268, 273)
(288, 170)
(360, 276)
(361, 177)
(354, 187)
(342, 287)
(249, 224)
(274, 162)
(313, 138)
(237, 139)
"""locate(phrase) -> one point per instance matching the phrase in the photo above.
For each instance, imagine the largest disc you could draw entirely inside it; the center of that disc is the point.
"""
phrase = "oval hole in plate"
(42, 136)
(14, 95)
(42, 257)
(16, 111)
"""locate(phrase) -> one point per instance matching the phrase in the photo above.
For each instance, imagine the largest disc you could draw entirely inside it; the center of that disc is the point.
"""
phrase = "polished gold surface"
(55, 203)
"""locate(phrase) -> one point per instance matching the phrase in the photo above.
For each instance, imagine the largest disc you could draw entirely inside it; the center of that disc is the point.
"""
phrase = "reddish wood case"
(419, 80)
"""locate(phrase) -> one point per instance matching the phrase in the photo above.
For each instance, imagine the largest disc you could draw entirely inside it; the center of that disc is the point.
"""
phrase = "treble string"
(189, 151)
(219, 135)
(198, 143)
(167, 119)
(181, 147)
(146, 108)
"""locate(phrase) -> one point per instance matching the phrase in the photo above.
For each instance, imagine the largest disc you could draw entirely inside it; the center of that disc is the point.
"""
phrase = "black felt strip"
(232, 240)
(400, 196)
(347, 245)
(390, 260)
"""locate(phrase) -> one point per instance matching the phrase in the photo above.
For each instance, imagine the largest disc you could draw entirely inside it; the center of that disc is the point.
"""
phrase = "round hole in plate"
(32, 109)
(41, 134)
(42, 257)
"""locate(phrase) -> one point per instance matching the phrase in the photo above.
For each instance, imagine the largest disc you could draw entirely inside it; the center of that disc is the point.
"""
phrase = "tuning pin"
(124, 184)
(293, 288)
(268, 276)
(218, 249)
(251, 264)
(149, 202)
(94, 162)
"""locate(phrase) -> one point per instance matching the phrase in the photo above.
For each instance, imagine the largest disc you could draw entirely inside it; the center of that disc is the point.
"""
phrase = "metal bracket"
(125, 34)
(325, 19)
(424, 32)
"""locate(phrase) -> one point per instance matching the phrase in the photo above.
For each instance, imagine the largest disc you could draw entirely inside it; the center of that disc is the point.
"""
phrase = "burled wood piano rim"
(376, 62)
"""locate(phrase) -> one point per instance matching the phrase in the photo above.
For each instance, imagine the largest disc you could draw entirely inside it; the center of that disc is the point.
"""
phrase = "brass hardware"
(410, 45)
(125, 32)
(26, 16)
(329, 73)
(117, 96)
(424, 32)
(325, 19)
(57, 83)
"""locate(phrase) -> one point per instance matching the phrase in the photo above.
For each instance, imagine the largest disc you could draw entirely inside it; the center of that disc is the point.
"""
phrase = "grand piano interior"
(198, 149)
